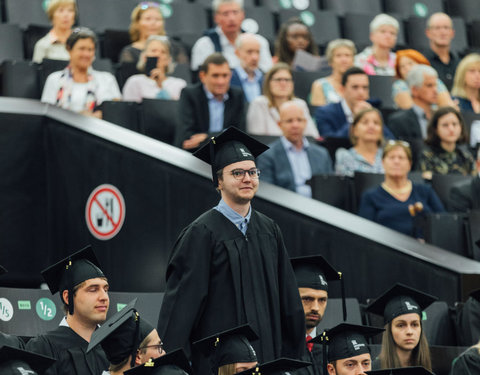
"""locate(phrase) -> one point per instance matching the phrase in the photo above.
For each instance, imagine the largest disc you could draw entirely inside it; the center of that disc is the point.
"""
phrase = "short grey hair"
(429, 21)
(217, 3)
(241, 38)
(337, 43)
(383, 19)
(416, 75)
(143, 58)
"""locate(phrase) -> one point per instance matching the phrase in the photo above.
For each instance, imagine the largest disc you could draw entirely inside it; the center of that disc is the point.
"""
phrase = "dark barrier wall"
(53, 159)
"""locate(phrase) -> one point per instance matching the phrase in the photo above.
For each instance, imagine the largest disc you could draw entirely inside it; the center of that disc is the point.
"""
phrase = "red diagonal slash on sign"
(105, 212)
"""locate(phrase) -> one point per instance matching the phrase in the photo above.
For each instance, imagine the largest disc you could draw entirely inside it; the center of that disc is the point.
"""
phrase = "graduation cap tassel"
(135, 338)
(344, 303)
(324, 353)
(212, 158)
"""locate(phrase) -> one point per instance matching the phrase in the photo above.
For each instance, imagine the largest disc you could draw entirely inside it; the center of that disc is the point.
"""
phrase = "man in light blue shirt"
(248, 76)
(291, 161)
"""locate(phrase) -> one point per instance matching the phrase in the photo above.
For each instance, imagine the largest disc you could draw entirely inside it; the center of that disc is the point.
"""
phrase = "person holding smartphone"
(156, 62)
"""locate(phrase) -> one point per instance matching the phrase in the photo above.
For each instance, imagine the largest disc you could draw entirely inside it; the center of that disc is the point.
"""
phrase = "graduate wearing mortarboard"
(83, 290)
(15, 361)
(313, 274)
(230, 265)
(403, 343)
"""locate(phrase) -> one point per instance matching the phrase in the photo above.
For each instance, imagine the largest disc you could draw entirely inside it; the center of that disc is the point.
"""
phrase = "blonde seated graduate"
(404, 342)
(127, 339)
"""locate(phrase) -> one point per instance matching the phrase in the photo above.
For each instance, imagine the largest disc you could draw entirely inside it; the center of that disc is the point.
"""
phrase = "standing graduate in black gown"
(230, 266)
(84, 292)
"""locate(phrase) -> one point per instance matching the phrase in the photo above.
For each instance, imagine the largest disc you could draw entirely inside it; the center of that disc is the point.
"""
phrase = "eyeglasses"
(393, 142)
(148, 4)
(287, 80)
(239, 174)
(159, 347)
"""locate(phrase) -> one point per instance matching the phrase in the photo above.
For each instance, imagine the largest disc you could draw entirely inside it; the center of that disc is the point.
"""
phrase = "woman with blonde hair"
(467, 363)
(61, 14)
(263, 112)
(146, 20)
(466, 84)
(340, 54)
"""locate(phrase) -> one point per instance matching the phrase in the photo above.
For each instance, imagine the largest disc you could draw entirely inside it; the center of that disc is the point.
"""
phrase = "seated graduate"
(397, 201)
(127, 339)
(404, 342)
(230, 352)
(172, 363)
(276, 367)
(6, 339)
(312, 274)
(468, 362)
(412, 370)
(348, 350)
(15, 361)
(83, 289)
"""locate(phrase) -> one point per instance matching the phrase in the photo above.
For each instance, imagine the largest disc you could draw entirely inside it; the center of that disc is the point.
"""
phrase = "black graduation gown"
(217, 279)
(69, 349)
(11, 340)
(316, 359)
(468, 363)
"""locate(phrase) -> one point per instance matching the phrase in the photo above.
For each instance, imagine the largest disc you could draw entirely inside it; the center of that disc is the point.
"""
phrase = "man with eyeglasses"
(440, 33)
(230, 266)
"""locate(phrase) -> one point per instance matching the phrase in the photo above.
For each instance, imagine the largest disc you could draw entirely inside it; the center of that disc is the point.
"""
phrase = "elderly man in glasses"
(230, 266)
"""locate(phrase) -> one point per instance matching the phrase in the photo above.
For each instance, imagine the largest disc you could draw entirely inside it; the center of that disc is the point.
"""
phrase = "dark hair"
(215, 58)
(350, 72)
(432, 137)
(80, 33)
(282, 51)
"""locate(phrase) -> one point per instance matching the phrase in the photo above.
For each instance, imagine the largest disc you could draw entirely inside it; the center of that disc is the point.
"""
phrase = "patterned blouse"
(436, 160)
(366, 61)
(331, 96)
(347, 162)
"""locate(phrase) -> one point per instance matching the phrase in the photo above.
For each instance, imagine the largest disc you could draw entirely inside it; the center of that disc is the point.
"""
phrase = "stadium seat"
(443, 183)
(333, 190)
(363, 181)
(275, 6)
(332, 144)
(186, 19)
(469, 10)
(467, 322)
(100, 15)
(263, 20)
(341, 7)
(11, 44)
(124, 114)
(30, 36)
(381, 89)
(407, 8)
(303, 83)
(159, 119)
(26, 12)
(113, 42)
(473, 234)
(446, 230)
(20, 79)
(438, 325)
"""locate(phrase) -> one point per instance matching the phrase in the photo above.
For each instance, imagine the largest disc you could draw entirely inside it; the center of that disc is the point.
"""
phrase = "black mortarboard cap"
(121, 335)
(172, 363)
(414, 370)
(3, 270)
(227, 347)
(11, 358)
(230, 146)
(278, 366)
(398, 300)
(71, 271)
(346, 340)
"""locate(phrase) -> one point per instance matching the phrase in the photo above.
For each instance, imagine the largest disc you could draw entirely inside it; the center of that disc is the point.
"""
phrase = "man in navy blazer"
(209, 106)
(248, 76)
(292, 160)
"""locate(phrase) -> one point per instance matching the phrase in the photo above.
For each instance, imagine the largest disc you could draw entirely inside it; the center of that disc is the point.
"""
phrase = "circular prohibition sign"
(105, 212)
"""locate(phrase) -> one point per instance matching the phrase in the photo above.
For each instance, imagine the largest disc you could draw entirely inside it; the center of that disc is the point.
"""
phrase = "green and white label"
(6, 310)
(24, 305)
(120, 306)
(420, 9)
(46, 309)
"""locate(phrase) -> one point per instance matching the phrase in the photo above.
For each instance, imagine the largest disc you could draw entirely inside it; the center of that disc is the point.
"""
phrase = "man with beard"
(312, 274)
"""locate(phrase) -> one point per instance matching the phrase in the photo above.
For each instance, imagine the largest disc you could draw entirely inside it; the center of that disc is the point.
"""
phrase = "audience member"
(228, 16)
(465, 195)
(333, 120)
(404, 343)
(379, 58)
(263, 112)
(366, 135)
(210, 105)
(412, 123)
(468, 362)
(83, 289)
(293, 35)
(79, 87)
(247, 75)
(230, 352)
(440, 33)
(154, 83)
(127, 339)
(348, 350)
(232, 259)
(61, 14)
(147, 20)
(466, 85)
(406, 59)
(326, 90)
(446, 151)
(396, 201)
(291, 160)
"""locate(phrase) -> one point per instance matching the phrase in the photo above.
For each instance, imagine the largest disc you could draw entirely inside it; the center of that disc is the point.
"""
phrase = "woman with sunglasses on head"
(397, 200)
(446, 151)
(147, 20)
(79, 87)
(263, 112)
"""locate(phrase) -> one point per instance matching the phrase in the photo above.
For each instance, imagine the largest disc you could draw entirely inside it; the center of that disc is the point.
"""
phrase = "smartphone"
(150, 64)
